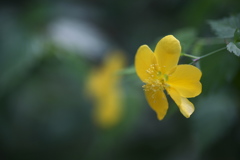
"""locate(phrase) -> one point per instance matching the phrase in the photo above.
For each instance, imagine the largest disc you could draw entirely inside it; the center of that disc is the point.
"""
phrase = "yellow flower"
(103, 85)
(159, 70)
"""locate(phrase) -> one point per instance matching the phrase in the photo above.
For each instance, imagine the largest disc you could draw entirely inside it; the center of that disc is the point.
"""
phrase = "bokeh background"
(48, 49)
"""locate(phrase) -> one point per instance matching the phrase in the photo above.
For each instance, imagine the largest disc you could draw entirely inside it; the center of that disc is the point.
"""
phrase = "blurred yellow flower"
(103, 85)
(159, 70)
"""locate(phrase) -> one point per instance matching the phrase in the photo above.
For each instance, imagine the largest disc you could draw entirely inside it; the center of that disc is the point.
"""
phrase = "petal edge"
(158, 102)
(184, 105)
(168, 52)
(185, 79)
(143, 59)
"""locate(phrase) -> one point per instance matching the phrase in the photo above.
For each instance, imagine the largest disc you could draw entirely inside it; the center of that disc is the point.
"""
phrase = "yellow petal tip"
(160, 117)
(170, 44)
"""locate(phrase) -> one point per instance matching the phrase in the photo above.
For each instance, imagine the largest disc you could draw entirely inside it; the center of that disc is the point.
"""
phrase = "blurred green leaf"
(186, 36)
(225, 28)
(237, 35)
(231, 47)
(129, 70)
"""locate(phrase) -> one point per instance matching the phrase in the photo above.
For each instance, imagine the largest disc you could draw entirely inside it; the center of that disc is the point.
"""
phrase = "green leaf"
(232, 47)
(237, 35)
(225, 28)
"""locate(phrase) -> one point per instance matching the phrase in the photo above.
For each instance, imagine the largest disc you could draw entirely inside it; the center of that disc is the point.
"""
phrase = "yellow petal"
(103, 86)
(158, 102)
(168, 52)
(114, 61)
(102, 79)
(185, 79)
(185, 106)
(143, 59)
(108, 109)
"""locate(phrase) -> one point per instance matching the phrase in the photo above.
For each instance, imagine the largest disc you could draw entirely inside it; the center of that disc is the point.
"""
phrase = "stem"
(129, 70)
(190, 56)
(196, 58)
(206, 55)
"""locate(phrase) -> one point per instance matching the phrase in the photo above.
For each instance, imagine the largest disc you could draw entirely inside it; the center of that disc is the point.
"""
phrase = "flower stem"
(189, 55)
(127, 71)
(196, 58)
(218, 50)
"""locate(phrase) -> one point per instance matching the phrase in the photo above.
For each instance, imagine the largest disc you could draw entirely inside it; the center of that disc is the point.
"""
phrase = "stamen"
(156, 80)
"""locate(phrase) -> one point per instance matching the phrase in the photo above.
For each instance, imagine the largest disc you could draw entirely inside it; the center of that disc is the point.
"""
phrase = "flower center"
(156, 80)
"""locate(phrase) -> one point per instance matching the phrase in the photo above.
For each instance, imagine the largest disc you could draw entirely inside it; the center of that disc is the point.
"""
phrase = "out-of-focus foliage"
(221, 121)
(226, 27)
(48, 49)
(187, 37)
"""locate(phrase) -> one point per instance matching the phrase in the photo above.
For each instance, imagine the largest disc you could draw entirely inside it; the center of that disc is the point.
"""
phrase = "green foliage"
(214, 116)
(187, 36)
(228, 28)
(237, 35)
(232, 47)
(222, 65)
(225, 28)
(45, 113)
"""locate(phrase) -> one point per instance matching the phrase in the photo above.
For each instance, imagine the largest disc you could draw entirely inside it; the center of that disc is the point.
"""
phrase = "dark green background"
(44, 110)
